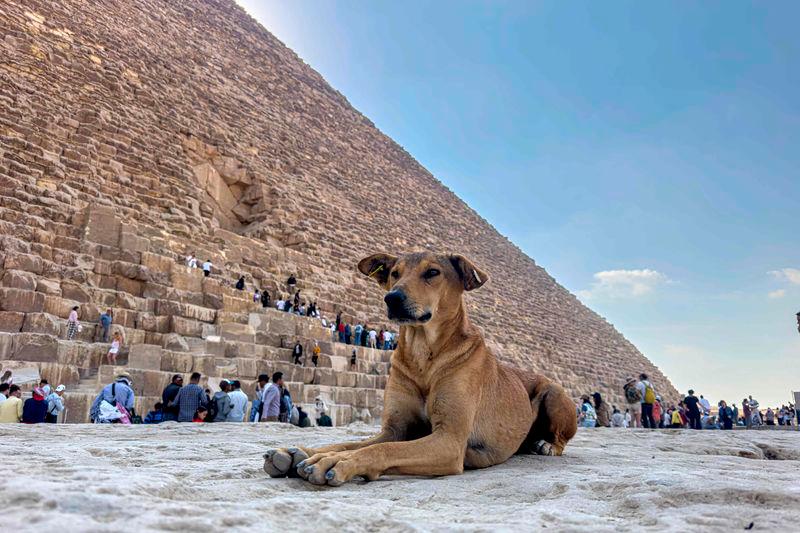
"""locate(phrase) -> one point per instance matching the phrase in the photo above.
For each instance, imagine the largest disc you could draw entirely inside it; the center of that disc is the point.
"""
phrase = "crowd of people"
(191, 402)
(646, 409)
(44, 405)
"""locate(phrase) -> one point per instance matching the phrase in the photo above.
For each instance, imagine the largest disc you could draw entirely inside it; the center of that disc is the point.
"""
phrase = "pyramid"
(134, 133)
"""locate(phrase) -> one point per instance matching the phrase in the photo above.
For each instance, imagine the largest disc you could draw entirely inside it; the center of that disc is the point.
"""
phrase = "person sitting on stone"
(156, 416)
(34, 410)
(297, 353)
(302, 418)
(189, 398)
(200, 414)
(116, 344)
(617, 419)
(280, 304)
(11, 408)
(106, 406)
(324, 420)
(55, 404)
(240, 284)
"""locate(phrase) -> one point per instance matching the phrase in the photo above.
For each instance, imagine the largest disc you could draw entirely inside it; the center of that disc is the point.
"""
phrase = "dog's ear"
(377, 267)
(471, 276)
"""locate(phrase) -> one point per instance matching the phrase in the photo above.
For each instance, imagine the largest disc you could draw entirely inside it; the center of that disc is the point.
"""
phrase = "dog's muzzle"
(401, 309)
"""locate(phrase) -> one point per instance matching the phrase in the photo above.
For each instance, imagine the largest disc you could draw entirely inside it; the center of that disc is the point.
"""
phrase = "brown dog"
(449, 404)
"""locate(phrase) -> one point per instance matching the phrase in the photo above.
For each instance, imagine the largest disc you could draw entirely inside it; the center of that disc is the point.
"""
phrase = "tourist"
(341, 330)
(200, 414)
(633, 397)
(11, 408)
(239, 287)
(280, 304)
(338, 319)
(7, 378)
(617, 419)
(114, 349)
(725, 415)
(373, 338)
(657, 415)
(256, 407)
(297, 353)
(602, 411)
(387, 340)
(207, 266)
(297, 299)
(748, 418)
(324, 420)
(106, 319)
(315, 354)
(73, 326)
(4, 391)
(628, 418)
(333, 332)
(357, 334)
(189, 398)
(271, 399)
(55, 404)
(754, 411)
(286, 405)
(291, 283)
(168, 395)
(648, 394)
(735, 414)
(220, 405)
(238, 402)
(302, 418)
(264, 298)
(770, 416)
(348, 332)
(588, 416)
(676, 420)
(692, 404)
(114, 403)
(45, 386)
(191, 260)
(705, 404)
(353, 360)
(156, 416)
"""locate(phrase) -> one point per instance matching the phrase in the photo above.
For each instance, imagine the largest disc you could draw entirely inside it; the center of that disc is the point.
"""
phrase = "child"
(72, 323)
(200, 414)
(114, 350)
(156, 416)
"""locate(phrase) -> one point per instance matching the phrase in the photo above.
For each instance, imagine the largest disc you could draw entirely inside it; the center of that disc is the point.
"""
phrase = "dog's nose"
(395, 299)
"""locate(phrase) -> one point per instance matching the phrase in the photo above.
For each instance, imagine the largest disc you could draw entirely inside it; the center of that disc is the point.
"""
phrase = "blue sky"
(646, 155)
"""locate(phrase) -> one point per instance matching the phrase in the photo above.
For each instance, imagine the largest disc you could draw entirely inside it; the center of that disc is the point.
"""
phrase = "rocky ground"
(182, 477)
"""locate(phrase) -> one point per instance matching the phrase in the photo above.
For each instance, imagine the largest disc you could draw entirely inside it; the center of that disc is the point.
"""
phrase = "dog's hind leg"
(554, 421)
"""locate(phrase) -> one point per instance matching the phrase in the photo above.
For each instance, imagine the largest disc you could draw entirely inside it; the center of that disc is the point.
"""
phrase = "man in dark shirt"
(169, 394)
(692, 410)
(297, 353)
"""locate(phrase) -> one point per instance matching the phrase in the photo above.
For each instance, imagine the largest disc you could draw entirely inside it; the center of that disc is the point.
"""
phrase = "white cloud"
(780, 293)
(792, 275)
(624, 283)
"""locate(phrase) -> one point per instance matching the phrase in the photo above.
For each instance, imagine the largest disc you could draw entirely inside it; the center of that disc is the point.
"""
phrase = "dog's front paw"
(283, 461)
(543, 447)
(332, 468)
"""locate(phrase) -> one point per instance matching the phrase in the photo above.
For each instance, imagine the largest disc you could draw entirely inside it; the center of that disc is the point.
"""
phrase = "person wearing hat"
(34, 409)
(55, 404)
(118, 393)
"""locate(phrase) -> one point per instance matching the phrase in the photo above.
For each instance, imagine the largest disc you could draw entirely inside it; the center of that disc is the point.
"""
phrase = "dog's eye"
(430, 273)
(395, 274)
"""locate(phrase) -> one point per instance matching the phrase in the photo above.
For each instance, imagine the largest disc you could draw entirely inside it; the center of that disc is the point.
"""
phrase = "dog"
(449, 404)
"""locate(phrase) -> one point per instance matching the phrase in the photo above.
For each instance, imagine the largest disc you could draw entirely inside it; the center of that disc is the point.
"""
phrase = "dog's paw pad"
(543, 447)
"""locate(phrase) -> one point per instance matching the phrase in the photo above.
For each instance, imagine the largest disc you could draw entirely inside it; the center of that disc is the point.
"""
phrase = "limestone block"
(324, 376)
(365, 381)
(344, 396)
(157, 263)
(145, 356)
(346, 379)
(186, 326)
(6, 344)
(175, 342)
(42, 323)
(19, 279)
(236, 305)
(48, 286)
(35, 347)
(237, 332)
(150, 322)
(176, 362)
(102, 226)
(74, 291)
(186, 279)
(131, 286)
(26, 262)
(11, 321)
(281, 324)
(133, 242)
(21, 300)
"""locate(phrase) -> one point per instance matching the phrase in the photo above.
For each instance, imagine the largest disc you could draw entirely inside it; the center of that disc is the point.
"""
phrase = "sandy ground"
(192, 477)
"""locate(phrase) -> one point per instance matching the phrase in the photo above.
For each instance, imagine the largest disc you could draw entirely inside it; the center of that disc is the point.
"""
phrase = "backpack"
(632, 394)
(649, 393)
(213, 409)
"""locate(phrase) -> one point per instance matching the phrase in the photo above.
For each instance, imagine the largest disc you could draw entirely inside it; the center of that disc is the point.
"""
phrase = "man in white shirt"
(706, 405)
(238, 403)
(191, 261)
(207, 268)
(373, 336)
(387, 340)
(281, 305)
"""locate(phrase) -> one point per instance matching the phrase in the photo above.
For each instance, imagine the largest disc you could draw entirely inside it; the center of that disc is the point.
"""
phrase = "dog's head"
(422, 286)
